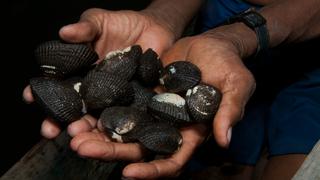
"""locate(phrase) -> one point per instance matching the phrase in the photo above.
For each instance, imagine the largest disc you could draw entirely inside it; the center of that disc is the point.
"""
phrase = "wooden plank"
(53, 159)
(310, 169)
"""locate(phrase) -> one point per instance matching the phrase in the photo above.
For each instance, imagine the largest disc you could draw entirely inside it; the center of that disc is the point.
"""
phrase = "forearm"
(292, 20)
(287, 21)
(174, 14)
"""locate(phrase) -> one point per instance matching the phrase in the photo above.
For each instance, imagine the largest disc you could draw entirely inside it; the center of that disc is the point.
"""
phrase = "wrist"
(174, 15)
(238, 36)
(155, 17)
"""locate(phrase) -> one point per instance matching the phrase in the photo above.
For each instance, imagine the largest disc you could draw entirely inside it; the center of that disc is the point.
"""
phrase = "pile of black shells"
(120, 90)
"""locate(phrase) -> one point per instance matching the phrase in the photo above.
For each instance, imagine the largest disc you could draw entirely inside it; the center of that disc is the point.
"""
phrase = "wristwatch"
(256, 22)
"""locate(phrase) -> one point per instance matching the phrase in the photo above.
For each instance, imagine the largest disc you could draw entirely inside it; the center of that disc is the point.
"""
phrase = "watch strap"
(255, 21)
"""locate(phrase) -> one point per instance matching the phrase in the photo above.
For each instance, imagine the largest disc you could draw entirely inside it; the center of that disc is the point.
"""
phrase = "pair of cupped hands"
(218, 59)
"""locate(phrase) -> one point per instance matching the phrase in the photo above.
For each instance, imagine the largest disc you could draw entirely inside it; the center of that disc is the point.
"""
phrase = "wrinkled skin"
(217, 58)
(222, 67)
(107, 31)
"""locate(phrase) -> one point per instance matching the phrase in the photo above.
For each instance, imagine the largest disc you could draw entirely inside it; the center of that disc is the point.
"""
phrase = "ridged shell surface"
(142, 96)
(62, 103)
(169, 108)
(150, 68)
(160, 138)
(180, 76)
(121, 63)
(203, 102)
(125, 122)
(58, 59)
(100, 89)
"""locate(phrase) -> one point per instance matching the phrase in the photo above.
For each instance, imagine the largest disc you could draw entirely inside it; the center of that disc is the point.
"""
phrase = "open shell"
(62, 103)
(59, 59)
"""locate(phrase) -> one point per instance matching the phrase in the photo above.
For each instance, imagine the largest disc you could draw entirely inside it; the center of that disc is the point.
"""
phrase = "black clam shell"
(59, 59)
(121, 63)
(126, 122)
(160, 138)
(101, 89)
(74, 82)
(62, 103)
(180, 76)
(203, 102)
(150, 68)
(142, 96)
(169, 108)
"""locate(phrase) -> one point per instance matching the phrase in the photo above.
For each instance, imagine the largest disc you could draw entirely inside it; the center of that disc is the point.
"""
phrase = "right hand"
(107, 31)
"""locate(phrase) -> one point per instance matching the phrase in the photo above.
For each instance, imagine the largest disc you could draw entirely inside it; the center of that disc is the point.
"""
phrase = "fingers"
(27, 95)
(225, 118)
(173, 165)
(231, 108)
(49, 129)
(85, 124)
(86, 30)
(96, 145)
(83, 31)
(87, 136)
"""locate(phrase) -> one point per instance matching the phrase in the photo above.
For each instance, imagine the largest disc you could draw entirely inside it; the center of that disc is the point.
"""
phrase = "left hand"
(97, 145)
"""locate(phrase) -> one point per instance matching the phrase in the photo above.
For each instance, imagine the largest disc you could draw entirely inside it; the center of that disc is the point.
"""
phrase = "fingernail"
(229, 135)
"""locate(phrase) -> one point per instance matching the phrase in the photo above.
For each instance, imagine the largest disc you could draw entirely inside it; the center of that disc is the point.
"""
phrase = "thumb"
(83, 31)
(227, 116)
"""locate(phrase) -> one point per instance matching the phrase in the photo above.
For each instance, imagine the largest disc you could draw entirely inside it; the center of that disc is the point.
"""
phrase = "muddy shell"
(180, 76)
(150, 68)
(60, 59)
(121, 63)
(160, 138)
(62, 103)
(124, 123)
(203, 102)
(169, 108)
(101, 89)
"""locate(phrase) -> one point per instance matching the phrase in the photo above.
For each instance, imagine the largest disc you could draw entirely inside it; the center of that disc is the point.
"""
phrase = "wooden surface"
(310, 169)
(53, 159)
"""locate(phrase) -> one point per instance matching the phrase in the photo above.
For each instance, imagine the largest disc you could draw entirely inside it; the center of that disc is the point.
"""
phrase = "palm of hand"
(109, 31)
(96, 144)
(222, 67)
(114, 30)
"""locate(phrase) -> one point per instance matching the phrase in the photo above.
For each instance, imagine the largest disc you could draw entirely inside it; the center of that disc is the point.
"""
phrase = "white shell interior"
(114, 53)
(170, 98)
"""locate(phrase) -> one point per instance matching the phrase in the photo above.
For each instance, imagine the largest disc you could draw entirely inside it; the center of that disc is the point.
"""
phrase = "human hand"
(107, 31)
(219, 59)
(97, 145)
(198, 50)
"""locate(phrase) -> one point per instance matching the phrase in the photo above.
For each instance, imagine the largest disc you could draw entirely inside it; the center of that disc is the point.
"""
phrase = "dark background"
(28, 23)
